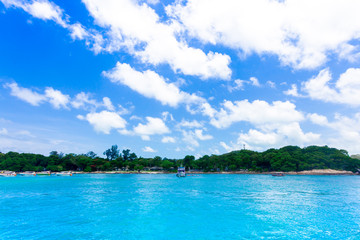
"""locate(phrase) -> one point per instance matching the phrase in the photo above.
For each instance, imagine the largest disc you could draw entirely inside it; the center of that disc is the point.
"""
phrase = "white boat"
(7, 173)
(181, 172)
(28, 173)
(64, 173)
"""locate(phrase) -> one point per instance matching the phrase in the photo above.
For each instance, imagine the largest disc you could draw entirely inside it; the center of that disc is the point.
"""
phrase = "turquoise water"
(166, 207)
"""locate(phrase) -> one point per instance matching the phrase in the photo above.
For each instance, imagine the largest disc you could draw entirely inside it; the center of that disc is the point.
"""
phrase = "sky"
(175, 78)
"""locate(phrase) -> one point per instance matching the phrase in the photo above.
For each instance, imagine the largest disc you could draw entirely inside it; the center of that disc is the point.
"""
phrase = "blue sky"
(173, 78)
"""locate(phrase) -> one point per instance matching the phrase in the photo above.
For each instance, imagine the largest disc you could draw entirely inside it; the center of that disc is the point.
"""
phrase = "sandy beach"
(307, 172)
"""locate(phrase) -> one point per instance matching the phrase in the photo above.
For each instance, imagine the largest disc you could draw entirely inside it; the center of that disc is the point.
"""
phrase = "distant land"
(285, 159)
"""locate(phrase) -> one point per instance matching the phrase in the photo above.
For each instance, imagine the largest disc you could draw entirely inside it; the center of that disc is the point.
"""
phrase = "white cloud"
(274, 27)
(258, 112)
(104, 121)
(192, 137)
(293, 91)
(200, 136)
(83, 100)
(152, 127)
(239, 85)
(167, 115)
(148, 149)
(138, 29)
(123, 111)
(274, 125)
(25, 94)
(56, 98)
(190, 124)
(151, 85)
(59, 100)
(168, 140)
(107, 103)
(227, 147)
(264, 27)
(318, 119)
(77, 31)
(255, 82)
(345, 91)
(43, 9)
(345, 130)
(282, 135)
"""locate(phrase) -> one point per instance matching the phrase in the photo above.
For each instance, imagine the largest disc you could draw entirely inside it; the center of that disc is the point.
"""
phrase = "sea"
(163, 206)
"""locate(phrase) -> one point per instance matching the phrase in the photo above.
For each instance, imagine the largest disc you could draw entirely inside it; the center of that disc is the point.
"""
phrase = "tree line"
(289, 158)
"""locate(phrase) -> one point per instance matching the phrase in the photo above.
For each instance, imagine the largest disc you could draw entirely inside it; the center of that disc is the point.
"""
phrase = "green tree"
(112, 153)
(188, 160)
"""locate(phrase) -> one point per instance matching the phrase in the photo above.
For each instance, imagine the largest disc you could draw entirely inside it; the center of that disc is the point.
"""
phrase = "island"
(311, 160)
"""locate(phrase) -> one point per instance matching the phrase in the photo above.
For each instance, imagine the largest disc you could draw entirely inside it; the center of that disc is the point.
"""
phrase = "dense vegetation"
(289, 158)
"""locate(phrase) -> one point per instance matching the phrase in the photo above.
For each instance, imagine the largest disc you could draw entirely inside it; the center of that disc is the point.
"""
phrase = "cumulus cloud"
(168, 140)
(108, 104)
(192, 137)
(167, 116)
(104, 121)
(83, 100)
(25, 94)
(345, 91)
(257, 112)
(56, 98)
(318, 119)
(239, 84)
(154, 126)
(345, 130)
(274, 27)
(46, 10)
(290, 134)
(199, 134)
(151, 85)
(137, 28)
(59, 100)
(281, 135)
(255, 82)
(273, 125)
(293, 91)
(190, 124)
(77, 31)
(148, 149)
(263, 27)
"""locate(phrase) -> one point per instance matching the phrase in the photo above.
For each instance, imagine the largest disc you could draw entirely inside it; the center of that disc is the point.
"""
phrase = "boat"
(7, 174)
(28, 173)
(181, 172)
(42, 173)
(278, 174)
(64, 173)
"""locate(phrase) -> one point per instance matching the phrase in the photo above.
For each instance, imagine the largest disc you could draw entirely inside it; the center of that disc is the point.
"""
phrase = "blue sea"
(211, 206)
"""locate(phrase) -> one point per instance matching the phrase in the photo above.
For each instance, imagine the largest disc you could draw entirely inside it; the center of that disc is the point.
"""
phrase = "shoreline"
(313, 172)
